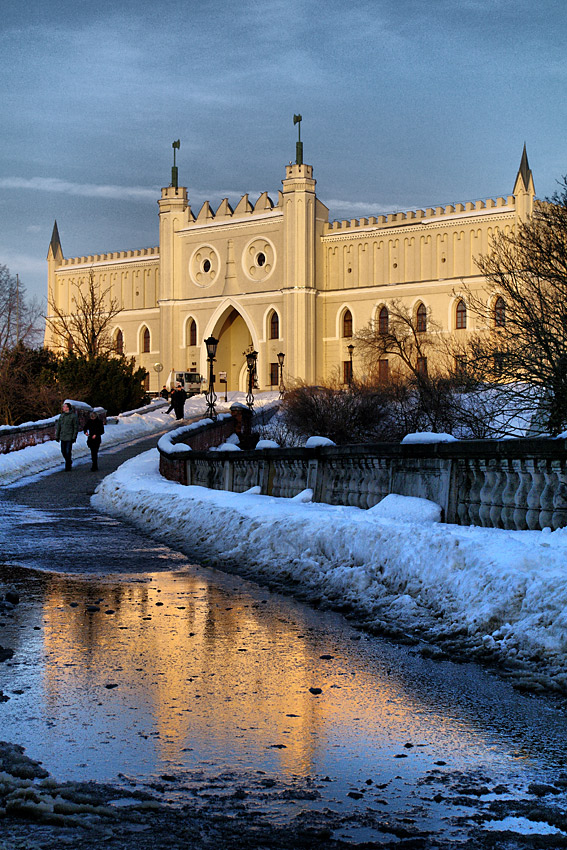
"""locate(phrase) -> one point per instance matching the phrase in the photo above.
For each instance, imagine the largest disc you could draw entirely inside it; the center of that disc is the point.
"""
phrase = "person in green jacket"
(66, 432)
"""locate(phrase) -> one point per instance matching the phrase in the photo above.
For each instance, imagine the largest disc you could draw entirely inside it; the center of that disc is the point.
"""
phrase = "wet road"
(134, 666)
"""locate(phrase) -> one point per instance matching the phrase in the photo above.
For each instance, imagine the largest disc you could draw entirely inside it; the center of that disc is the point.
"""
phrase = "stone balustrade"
(512, 484)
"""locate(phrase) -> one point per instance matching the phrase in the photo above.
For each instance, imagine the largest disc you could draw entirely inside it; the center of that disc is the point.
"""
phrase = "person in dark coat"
(66, 432)
(164, 393)
(178, 399)
(94, 430)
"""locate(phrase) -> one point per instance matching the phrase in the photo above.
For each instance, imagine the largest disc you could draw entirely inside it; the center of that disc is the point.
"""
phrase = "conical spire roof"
(55, 243)
(524, 171)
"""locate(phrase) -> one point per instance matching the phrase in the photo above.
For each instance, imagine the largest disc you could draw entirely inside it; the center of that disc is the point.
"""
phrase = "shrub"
(357, 415)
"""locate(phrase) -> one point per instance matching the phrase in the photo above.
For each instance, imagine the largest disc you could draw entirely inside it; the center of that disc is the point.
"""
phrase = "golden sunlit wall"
(229, 272)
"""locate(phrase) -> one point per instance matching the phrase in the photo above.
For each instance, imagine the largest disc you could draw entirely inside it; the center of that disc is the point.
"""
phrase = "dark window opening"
(274, 326)
(146, 341)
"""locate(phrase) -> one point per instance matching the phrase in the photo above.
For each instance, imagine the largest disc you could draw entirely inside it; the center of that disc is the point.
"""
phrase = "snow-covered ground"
(395, 568)
(122, 429)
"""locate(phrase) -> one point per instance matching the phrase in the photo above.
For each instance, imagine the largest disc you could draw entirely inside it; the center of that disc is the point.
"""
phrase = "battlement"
(224, 213)
(98, 259)
(429, 215)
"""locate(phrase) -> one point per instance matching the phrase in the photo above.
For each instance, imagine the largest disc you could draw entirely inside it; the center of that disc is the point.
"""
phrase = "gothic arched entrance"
(234, 339)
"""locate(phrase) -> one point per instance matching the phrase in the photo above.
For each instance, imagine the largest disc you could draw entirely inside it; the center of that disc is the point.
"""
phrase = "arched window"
(500, 312)
(383, 320)
(119, 342)
(274, 326)
(347, 323)
(146, 340)
(461, 314)
(70, 344)
(421, 319)
(192, 332)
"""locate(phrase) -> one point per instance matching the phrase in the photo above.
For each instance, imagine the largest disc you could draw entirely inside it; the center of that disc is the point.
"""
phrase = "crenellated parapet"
(431, 215)
(112, 257)
(225, 214)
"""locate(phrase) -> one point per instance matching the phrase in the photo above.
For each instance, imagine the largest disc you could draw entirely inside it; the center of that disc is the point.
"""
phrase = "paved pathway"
(49, 522)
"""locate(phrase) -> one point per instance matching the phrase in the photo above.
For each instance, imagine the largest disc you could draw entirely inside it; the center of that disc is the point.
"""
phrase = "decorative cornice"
(381, 287)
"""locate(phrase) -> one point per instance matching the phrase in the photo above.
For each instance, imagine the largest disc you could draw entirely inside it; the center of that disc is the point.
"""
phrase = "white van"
(190, 381)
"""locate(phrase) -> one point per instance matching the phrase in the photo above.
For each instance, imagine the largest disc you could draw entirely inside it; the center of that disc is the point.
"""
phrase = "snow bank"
(501, 593)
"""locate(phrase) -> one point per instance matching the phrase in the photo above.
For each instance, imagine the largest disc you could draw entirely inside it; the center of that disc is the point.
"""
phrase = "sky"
(405, 104)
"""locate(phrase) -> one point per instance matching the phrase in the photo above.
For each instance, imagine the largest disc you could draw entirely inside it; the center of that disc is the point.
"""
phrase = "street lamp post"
(210, 395)
(251, 357)
(281, 358)
(350, 349)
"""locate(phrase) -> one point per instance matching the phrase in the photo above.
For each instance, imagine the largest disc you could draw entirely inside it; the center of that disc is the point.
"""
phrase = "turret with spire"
(524, 189)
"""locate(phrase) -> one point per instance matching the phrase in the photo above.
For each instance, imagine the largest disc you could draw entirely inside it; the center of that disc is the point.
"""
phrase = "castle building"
(280, 277)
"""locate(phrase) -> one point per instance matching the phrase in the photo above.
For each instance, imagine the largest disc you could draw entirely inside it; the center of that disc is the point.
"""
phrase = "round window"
(206, 266)
(260, 259)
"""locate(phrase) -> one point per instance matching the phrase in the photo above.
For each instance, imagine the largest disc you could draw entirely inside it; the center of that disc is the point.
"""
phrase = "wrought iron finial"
(299, 144)
(174, 175)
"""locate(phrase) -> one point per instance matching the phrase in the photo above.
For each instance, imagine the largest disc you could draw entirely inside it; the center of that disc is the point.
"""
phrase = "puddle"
(198, 684)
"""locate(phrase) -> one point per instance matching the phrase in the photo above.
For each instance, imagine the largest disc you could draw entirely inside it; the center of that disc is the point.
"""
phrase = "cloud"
(86, 190)
(359, 208)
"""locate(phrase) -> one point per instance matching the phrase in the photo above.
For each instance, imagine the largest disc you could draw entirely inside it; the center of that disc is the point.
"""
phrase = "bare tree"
(522, 346)
(86, 330)
(19, 316)
(405, 336)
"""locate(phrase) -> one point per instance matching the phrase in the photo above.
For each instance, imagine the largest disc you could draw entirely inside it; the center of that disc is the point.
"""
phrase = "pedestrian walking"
(66, 432)
(178, 399)
(94, 430)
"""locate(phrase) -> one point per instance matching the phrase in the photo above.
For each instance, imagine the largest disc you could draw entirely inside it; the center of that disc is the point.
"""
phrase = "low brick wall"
(18, 437)
(200, 439)
(513, 484)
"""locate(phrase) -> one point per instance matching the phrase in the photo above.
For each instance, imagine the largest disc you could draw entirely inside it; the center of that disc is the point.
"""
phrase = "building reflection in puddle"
(177, 670)
(204, 670)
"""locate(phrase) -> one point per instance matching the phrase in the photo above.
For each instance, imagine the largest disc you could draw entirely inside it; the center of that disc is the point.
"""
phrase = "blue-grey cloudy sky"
(405, 104)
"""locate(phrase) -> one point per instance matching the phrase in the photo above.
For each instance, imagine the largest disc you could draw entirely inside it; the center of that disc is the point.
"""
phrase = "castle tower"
(299, 290)
(173, 212)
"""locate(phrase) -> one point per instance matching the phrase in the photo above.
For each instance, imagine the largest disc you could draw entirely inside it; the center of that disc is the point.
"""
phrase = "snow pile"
(501, 594)
(409, 508)
(429, 437)
(314, 442)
